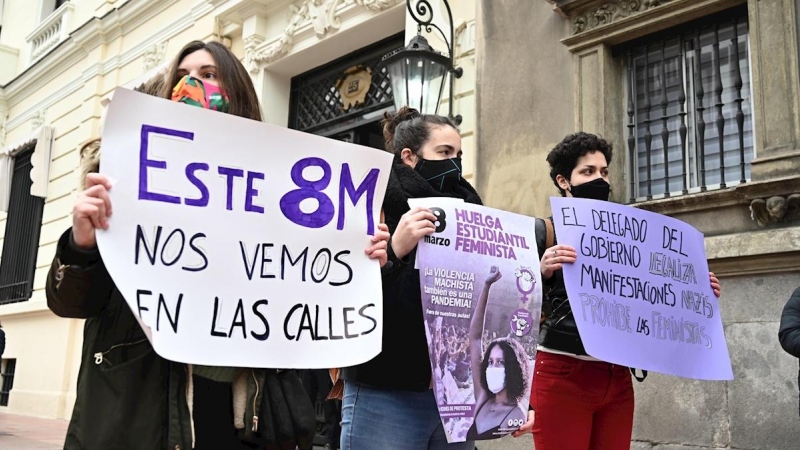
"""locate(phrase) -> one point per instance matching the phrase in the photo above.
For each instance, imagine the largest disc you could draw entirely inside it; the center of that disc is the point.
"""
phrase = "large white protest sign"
(238, 243)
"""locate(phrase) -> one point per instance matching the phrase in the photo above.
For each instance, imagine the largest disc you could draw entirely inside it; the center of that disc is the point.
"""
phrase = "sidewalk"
(27, 433)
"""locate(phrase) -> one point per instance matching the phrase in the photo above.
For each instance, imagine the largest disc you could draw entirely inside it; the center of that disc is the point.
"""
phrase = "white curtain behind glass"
(680, 70)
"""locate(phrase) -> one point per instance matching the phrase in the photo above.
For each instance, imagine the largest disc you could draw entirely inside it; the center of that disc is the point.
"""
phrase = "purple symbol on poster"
(521, 322)
(526, 283)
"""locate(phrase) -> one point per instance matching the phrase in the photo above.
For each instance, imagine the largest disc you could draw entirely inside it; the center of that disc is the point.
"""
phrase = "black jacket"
(558, 330)
(789, 332)
(127, 396)
(2, 342)
(403, 363)
(130, 398)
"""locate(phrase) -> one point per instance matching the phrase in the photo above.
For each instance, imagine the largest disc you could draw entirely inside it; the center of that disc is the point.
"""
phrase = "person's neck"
(501, 397)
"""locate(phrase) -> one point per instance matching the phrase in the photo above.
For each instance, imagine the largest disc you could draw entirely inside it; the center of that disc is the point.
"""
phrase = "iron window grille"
(315, 104)
(690, 122)
(7, 381)
(21, 242)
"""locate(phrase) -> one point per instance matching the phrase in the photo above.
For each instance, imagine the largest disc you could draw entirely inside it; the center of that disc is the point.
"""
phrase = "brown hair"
(407, 128)
(233, 78)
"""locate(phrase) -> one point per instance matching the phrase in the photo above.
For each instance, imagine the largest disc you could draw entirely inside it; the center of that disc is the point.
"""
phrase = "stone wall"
(539, 79)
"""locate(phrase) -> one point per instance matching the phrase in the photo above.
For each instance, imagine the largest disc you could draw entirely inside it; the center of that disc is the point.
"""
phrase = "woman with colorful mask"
(389, 402)
(127, 396)
(580, 402)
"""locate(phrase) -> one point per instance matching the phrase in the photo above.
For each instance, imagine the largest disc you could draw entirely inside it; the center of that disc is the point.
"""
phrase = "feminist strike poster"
(640, 289)
(237, 243)
(481, 298)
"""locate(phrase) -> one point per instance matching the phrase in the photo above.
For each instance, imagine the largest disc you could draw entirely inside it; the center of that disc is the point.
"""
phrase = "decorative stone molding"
(154, 56)
(38, 119)
(321, 15)
(376, 5)
(610, 12)
(3, 120)
(775, 209)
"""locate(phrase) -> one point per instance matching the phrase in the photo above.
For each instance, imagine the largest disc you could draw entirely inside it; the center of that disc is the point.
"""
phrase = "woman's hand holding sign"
(554, 257)
(91, 211)
(527, 427)
(715, 286)
(413, 226)
(379, 243)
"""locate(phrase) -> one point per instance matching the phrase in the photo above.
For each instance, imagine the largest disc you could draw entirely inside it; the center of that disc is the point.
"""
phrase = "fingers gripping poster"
(481, 296)
(238, 243)
(640, 289)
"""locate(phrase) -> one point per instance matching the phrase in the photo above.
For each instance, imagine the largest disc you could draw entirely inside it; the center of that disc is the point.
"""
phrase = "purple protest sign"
(640, 290)
(481, 296)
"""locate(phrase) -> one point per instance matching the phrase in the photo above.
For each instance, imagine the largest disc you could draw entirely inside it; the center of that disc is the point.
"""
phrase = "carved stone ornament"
(611, 11)
(38, 119)
(354, 85)
(154, 55)
(3, 120)
(376, 5)
(320, 14)
(775, 209)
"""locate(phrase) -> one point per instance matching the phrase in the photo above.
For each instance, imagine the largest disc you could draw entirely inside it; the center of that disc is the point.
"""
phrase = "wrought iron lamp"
(417, 71)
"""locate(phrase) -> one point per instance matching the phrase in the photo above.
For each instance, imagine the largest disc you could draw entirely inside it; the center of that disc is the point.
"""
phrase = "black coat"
(558, 330)
(789, 332)
(2, 342)
(403, 363)
(128, 397)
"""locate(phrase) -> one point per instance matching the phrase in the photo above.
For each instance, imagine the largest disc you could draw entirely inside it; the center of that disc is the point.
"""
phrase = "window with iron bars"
(21, 240)
(8, 367)
(690, 123)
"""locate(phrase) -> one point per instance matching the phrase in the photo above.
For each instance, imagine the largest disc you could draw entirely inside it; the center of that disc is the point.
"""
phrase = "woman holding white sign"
(127, 395)
(389, 402)
(581, 403)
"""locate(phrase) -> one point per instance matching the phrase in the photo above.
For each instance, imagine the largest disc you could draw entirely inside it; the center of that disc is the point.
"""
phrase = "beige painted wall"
(48, 348)
(67, 87)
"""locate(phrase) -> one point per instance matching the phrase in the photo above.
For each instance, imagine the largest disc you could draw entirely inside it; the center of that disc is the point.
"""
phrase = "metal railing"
(688, 106)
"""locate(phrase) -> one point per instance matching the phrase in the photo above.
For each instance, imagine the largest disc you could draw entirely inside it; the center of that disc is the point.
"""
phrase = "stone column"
(776, 81)
(599, 105)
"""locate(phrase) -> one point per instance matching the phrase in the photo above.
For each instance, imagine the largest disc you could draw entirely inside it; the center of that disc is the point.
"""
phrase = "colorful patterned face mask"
(192, 91)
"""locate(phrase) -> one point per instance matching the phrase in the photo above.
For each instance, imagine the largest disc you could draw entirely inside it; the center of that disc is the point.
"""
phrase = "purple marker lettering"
(290, 202)
(367, 186)
(191, 168)
(252, 192)
(230, 173)
(145, 163)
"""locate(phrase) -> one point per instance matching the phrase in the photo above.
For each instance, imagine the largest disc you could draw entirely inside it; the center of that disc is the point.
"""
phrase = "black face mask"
(442, 174)
(597, 189)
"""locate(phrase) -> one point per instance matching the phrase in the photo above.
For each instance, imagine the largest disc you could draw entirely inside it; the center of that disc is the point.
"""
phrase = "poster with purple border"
(481, 296)
(640, 290)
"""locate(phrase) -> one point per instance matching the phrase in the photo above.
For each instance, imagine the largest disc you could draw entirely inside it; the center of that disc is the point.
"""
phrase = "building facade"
(59, 64)
(701, 99)
(712, 88)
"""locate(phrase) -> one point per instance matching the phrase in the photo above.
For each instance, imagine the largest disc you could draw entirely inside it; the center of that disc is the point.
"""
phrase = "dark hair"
(516, 369)
(564, 157)
(233, 78)
(407, 128)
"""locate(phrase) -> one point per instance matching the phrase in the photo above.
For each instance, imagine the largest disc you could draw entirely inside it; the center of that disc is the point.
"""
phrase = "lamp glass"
(417, 82)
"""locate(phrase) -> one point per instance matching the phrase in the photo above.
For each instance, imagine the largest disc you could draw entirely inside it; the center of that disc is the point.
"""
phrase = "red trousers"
(581, 405)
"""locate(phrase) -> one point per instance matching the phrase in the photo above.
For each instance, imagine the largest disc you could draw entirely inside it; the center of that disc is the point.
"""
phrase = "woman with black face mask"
(580, 402)
(388, 402)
